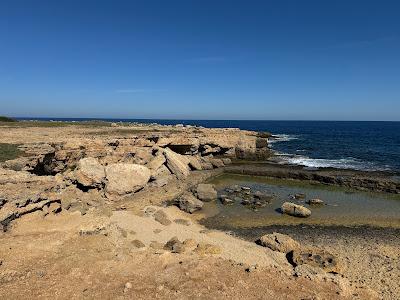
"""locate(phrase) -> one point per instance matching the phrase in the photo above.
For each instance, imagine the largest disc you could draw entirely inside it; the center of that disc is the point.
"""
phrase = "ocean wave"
(343, 163)
(282, 138)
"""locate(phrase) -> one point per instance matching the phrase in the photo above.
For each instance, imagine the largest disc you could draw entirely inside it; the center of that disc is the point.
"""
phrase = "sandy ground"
(92, 257)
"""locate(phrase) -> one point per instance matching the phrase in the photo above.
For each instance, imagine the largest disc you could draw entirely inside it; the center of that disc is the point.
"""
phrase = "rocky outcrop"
(278, 242)
(89, 172)
(295, 210)
(177, 164)
(126, 178)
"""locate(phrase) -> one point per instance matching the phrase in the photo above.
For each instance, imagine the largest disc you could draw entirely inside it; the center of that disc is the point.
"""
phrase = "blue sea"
(338, 144)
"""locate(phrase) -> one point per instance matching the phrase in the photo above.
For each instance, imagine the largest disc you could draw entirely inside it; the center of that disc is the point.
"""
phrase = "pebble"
(127, 286)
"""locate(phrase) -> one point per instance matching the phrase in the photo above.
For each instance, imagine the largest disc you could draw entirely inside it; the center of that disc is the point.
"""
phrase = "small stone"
(251, 269)
(245, 202)
(246, 188)
(315, 202)
(183, 222)
(174, 245)
(299, 196)
(226, 161)
(187, 202)
(236, 188)
(205, 249)
(127, 287)
(259, 204)
(138, 244)
(161, 217)
(226, 201)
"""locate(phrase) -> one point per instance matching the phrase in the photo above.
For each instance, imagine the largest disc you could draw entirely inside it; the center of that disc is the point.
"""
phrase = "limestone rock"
(187, 202)
(156, 162)
(194, 163)
(178, 164)
(217, 163)
(206, 192)
(89, 172)
(126, 178)
(279, 242)
(161, 172)
(295, 210)
(316, 258)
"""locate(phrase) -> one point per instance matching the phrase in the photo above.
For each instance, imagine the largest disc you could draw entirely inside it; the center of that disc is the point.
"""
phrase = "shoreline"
(378, 181)
(88, 203)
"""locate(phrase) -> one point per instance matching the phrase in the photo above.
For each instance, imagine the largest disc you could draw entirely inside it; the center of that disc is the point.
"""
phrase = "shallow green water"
(342, 207)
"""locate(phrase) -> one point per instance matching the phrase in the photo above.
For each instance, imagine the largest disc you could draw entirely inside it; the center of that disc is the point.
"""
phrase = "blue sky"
(301, 60)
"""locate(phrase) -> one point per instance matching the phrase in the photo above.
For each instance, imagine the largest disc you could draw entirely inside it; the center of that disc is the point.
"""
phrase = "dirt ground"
(56, 262)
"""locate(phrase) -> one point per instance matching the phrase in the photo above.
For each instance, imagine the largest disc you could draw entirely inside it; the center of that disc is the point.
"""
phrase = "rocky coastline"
(85, 202)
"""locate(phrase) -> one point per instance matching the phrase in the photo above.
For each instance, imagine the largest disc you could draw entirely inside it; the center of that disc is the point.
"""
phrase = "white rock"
(126, 178)
(89, 172)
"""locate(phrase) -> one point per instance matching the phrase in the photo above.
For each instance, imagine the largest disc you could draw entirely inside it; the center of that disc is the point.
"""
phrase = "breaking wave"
(343, 163)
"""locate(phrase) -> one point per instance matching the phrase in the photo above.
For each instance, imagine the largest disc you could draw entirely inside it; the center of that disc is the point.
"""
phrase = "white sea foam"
(282, 138)
(343, 163)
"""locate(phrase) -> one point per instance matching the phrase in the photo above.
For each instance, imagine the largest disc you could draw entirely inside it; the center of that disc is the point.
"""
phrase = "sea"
(358, 145)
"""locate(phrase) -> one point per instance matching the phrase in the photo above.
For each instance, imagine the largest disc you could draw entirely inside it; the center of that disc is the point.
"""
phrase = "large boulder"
(206, 192)
(187, 202)
(295, 210)
(126, 178)
(89, 172)
(178, 164)
(279, 242)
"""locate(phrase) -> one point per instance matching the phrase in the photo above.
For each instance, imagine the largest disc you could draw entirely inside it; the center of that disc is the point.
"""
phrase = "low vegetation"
(9, 151)
(34, 123)
(7, 119)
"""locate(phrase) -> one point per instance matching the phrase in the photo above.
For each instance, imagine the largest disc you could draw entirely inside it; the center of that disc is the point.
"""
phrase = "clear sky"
(318, 60)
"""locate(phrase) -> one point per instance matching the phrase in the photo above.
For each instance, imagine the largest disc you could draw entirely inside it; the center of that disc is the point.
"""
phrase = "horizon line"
(191, 119)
